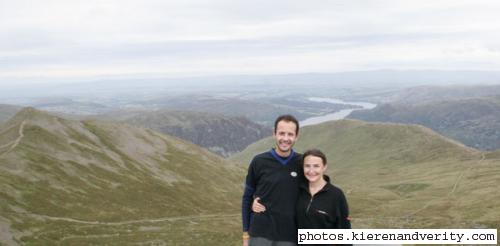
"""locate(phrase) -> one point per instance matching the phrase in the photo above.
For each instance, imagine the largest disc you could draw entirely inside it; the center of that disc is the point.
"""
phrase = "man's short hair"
(316, 153)
(287, 118)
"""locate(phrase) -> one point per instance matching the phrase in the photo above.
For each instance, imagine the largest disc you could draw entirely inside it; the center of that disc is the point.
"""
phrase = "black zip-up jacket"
(327, 209)
(275, 180)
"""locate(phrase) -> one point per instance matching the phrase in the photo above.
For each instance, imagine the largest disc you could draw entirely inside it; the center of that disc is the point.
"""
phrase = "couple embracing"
(285, 191)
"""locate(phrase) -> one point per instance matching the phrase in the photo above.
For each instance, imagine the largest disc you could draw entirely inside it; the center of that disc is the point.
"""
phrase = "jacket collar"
(282, 160)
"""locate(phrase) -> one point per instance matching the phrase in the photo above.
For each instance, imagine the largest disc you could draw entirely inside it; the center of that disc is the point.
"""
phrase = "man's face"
(285, 136)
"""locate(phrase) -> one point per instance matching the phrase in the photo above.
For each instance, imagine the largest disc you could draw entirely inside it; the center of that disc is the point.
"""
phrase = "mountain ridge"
(62, 175)
(350, 124)
(403, 176)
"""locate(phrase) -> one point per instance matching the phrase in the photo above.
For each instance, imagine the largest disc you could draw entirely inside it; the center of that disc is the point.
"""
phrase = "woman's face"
(314, 168)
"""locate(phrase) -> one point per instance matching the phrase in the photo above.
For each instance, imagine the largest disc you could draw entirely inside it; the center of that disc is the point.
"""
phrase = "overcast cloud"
(78, 39)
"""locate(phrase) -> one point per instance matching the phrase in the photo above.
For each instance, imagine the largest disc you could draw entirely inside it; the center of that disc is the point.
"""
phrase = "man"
(273, 180)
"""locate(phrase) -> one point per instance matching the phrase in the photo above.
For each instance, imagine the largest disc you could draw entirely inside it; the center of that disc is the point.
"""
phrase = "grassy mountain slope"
(474, 122)
(81, 182)
(220, 134)
(401, 176)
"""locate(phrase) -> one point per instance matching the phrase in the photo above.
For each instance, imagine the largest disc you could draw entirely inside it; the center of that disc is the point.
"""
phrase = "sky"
(49, 40)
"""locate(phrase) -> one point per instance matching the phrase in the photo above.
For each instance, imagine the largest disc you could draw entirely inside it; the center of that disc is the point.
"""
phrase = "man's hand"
(246, 238)
(257, 207)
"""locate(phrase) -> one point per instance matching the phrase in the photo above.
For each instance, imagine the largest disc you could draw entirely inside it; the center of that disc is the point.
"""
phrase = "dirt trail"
(457, 181)
(464, 172)
(6, 236)
(427, 204)
(165, 219)
(212, 217)
(17, 141)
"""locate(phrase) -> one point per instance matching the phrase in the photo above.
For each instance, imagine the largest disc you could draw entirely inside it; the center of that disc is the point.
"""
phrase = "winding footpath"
(211, 217)
(457, 181)
(165, 219)
(463, 172)
(17, 141)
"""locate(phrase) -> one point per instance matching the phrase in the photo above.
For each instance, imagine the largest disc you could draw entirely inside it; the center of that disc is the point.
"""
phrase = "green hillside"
(403, 176)
(88, 182)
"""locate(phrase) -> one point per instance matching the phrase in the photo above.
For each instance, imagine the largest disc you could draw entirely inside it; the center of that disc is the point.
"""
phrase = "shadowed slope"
(472, 121)
(220, 134)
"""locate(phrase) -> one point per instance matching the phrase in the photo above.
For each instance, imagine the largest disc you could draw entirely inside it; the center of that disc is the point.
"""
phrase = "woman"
(320, 205)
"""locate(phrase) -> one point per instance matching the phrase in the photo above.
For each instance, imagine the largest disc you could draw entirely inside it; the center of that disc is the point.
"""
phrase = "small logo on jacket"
(321, 212)
(293, 174)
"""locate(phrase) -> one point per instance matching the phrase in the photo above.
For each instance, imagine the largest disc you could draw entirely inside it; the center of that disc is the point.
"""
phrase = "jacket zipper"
(311, 200)
(309, 205)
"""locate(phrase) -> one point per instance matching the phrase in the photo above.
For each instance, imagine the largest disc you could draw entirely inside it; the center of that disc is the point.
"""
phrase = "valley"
(168, 168)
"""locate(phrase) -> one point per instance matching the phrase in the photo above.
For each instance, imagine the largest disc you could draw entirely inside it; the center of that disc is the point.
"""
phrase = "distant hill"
(63, 105)
(220, 134)
(89, 182)
(325, 84)
(8, 111)
(474, 121)
(260, 110)
(403, 176)
(426, 94)
(494, 155)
